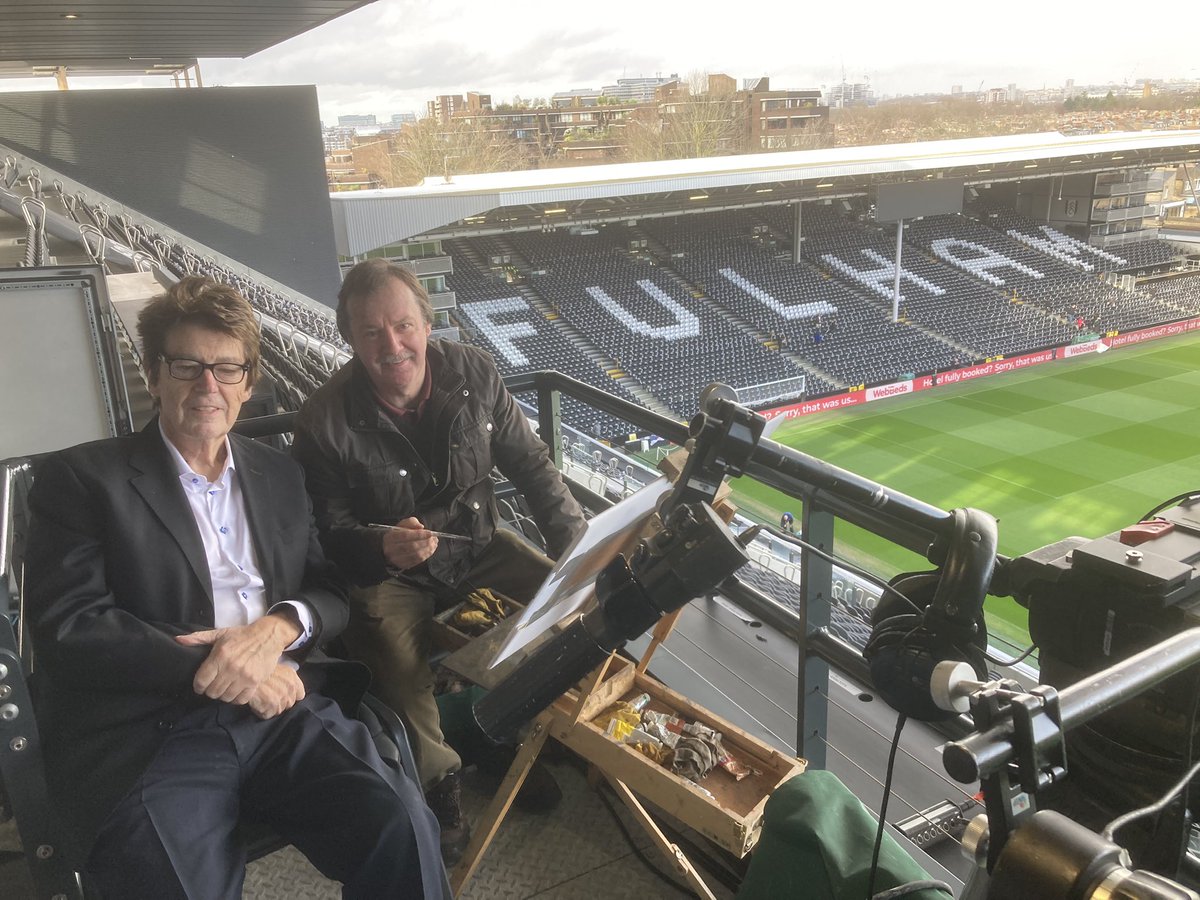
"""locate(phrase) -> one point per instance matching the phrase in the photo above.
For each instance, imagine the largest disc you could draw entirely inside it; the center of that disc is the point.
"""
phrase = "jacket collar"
(157, 482)
(362, 409)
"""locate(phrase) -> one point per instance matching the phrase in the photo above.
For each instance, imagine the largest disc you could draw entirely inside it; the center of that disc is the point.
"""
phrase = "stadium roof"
(509, 201)
(113, 37)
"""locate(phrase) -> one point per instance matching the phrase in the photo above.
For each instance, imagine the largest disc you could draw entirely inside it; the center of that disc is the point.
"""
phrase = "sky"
(392, 55)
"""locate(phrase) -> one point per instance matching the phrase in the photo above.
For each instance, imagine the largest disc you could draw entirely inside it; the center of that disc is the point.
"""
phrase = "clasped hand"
(282, 690)
(243, 665)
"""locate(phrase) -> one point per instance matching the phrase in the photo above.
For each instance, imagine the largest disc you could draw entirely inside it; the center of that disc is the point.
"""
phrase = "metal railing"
(825, 493)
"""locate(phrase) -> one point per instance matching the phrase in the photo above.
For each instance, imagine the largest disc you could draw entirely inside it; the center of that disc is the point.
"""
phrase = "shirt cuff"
(305, 617)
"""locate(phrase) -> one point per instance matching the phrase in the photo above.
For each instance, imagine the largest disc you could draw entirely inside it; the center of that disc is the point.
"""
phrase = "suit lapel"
(258, 496)
(158, 484)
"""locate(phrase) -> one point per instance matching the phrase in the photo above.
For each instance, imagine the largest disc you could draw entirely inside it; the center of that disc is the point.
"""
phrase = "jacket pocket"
(382, 493)
(471, 449)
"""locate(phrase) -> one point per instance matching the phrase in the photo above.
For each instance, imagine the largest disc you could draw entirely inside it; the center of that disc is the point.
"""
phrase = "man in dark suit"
(176, 592)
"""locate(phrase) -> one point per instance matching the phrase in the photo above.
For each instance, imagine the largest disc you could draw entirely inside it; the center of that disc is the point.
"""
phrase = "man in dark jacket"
(176, 591)
(406, 435)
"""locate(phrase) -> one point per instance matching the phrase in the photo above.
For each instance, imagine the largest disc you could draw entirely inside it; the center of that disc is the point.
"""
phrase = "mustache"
(394, 358)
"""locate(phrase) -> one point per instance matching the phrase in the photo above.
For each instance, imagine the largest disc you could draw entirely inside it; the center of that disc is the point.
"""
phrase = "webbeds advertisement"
(994, 367)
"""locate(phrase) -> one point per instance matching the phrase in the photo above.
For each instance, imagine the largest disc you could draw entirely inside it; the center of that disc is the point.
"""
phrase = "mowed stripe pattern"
(1072, 447)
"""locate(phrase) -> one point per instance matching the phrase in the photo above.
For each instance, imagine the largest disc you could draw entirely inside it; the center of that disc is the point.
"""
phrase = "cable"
(1178, 498)
(948, 835)
(1009, 663)
(849, 566)
(1190, 773)
(940, 773)
(639, 853)
(1132, 816)
(1189, 756)
(903, 890)
(944, 829)
(1191, 725)
(901, 719)
(887, 791)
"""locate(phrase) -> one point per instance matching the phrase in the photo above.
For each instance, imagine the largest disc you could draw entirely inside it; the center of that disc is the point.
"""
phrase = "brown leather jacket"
(360, 468)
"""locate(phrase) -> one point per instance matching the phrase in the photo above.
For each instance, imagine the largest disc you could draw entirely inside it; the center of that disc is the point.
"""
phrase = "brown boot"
(445, 799)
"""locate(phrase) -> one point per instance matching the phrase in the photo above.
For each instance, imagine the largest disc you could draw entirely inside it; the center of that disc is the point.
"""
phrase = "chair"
(22, 777)
(23, 785)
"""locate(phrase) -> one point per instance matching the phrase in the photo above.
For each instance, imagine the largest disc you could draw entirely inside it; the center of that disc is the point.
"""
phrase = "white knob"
(951, 685)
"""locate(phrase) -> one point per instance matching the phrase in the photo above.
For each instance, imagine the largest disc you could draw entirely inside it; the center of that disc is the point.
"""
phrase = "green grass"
(1081, 446)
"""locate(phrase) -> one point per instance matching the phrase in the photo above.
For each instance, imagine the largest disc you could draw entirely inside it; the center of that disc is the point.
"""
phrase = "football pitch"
(1071, 447)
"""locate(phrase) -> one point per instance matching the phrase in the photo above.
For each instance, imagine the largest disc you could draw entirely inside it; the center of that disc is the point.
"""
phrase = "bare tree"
(815, 136)
(432, 149)
(374, 159)
(692, 121)
(903, 120)
(644, 136)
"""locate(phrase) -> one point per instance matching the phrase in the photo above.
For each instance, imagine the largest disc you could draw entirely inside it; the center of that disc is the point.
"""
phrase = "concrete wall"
(240, 170)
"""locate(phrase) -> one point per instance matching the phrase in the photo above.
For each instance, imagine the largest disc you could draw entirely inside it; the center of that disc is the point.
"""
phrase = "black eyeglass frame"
(243, 368)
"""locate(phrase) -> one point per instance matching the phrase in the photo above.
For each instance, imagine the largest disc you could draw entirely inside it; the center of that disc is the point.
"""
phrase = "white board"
(60, 377)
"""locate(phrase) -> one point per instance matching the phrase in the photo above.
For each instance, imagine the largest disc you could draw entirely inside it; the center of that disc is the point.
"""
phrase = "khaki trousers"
(391, 631)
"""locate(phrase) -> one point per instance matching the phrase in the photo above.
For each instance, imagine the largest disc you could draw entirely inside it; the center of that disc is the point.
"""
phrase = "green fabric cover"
(816, 843)
(458, 721)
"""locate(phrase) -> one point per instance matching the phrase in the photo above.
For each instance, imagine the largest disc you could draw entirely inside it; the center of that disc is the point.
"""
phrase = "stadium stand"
(1145, 254)
(666, 340)
(1179, 291)
(295, 358)
(934, 296)
(1032, 276)
(1073, 251)
(717, 255)
(1137, 256)
(495, 316)
(857, 342)
(715, 299)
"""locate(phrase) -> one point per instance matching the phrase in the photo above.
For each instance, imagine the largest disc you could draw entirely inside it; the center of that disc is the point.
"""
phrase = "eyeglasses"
(190, 369)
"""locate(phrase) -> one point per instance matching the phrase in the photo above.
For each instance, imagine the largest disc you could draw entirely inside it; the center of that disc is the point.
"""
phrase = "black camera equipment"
(1017, 753)
(1091, 603)
(1114, 618)
(926, 619)
(942, 620)
(1051, 857)
(694, 552)
(1094, 602)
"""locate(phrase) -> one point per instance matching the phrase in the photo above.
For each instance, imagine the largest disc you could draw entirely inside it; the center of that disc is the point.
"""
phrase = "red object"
(1146, 531)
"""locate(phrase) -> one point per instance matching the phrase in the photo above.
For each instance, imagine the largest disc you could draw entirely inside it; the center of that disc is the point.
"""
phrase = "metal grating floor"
(576, 851)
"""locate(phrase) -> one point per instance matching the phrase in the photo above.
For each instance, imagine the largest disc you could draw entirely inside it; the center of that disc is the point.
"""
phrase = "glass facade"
(433, 284)
(1126, 206)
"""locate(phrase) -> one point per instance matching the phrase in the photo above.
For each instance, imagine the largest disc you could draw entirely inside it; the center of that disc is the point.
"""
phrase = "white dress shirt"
(239, 595)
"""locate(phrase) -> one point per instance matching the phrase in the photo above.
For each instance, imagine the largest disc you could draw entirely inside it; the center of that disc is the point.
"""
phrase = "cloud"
(393, 55)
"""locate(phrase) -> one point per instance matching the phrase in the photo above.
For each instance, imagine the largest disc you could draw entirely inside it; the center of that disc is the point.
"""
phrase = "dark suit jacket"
(114, 569)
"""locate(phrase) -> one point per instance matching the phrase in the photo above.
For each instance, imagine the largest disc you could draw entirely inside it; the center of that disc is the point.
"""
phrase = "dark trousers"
(311, 774)
(391, 630)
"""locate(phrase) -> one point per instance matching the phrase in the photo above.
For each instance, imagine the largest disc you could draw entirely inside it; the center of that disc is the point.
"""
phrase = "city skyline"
(392, 56)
